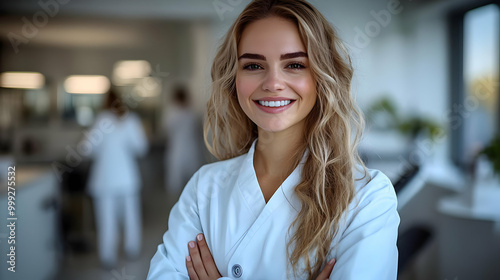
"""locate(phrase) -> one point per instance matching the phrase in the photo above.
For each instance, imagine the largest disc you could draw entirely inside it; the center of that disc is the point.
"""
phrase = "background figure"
(183, 154)
(114, 183)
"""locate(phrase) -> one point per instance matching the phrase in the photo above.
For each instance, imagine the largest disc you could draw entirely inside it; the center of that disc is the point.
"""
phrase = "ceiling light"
(90, 84)
(24, 80)
(127, 72)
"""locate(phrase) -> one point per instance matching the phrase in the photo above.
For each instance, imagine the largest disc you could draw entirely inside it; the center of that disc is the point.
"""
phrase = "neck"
(276, 152)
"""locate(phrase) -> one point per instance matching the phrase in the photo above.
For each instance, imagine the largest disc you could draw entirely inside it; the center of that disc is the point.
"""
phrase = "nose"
(273, 81)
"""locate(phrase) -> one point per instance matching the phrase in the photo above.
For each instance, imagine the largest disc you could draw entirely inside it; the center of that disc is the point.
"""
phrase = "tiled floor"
(156, 207)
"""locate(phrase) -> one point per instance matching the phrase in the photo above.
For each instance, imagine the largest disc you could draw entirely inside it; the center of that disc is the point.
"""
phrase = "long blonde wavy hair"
(327, 185)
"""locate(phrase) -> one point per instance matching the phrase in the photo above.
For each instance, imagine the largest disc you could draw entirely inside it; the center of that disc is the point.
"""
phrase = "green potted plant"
(486, 187)
(411, 126)
(492, 152)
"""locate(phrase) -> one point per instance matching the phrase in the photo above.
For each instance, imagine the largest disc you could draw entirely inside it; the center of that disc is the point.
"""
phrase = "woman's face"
(274, 83)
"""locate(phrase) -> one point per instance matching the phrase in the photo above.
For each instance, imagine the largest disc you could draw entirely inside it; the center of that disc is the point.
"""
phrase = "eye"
(252, 66)
(295, 65)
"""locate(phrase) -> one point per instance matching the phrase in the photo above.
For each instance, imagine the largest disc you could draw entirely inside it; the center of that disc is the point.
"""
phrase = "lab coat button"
(237, 271)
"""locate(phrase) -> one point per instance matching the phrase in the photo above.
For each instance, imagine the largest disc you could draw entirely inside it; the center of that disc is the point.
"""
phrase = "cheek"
(244, 87)
(306, 88)
(243, 93)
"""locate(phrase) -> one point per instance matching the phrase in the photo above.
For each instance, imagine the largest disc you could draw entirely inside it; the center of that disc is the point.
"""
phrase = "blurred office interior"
(426, 77)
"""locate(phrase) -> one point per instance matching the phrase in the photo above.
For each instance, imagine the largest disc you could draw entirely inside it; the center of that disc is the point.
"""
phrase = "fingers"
(206, 256)
(196, 261)
(327, 270)
(191, 272)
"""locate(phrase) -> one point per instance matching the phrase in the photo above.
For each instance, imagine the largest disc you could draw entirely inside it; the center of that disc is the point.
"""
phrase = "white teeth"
(275, 103)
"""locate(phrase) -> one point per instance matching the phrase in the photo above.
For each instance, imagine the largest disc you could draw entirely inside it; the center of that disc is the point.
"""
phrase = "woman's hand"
(200, 263)
(201, 266)
(327, 270)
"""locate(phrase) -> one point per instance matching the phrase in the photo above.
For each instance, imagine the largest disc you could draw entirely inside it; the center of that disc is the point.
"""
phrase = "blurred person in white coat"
(118, 139)
(183, 154)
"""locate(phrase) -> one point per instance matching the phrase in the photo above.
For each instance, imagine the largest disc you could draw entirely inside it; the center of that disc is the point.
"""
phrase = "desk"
(460, 206)
(440, 174)
(36, 225)
(469, 243)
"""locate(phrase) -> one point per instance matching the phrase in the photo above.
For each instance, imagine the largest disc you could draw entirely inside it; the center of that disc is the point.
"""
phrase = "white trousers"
(112, 213)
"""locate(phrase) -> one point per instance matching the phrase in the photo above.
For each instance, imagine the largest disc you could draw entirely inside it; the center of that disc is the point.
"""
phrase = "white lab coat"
(223, 200)
(183, 155)
(116, 143)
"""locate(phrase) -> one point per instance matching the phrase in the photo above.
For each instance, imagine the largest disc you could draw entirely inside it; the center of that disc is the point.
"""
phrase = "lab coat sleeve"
(367, 248)
(184, 224)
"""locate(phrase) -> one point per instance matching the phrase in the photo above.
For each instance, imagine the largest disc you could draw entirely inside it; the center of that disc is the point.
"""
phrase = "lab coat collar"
(250, 189)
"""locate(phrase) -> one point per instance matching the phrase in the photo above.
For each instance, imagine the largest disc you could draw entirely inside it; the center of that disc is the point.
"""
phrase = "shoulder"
(131, 117)
(221, 169)
(373, 187)
(373, 209)
(131, 121)
(215, 179)
(370, 229)
(105, 115)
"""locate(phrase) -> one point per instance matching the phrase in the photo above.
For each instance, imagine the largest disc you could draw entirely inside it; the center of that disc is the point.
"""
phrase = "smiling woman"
(290, 198)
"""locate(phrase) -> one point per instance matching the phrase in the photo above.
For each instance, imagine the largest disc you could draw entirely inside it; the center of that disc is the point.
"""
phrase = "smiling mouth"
(279, 103)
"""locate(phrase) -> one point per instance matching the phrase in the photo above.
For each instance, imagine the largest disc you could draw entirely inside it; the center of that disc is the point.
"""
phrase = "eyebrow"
(252, 56)
(282, 57)
(293, 55)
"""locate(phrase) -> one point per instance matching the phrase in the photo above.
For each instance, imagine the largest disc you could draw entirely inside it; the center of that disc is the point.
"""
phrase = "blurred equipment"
(76, 212)
(410, 243)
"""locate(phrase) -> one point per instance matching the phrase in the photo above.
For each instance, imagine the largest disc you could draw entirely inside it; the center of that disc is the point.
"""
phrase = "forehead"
(271, 36)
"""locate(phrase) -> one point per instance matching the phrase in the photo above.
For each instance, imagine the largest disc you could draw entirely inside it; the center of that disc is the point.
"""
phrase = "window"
(475, 65)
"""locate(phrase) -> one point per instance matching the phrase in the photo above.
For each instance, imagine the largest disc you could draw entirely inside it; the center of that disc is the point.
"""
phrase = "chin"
(272, 127)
